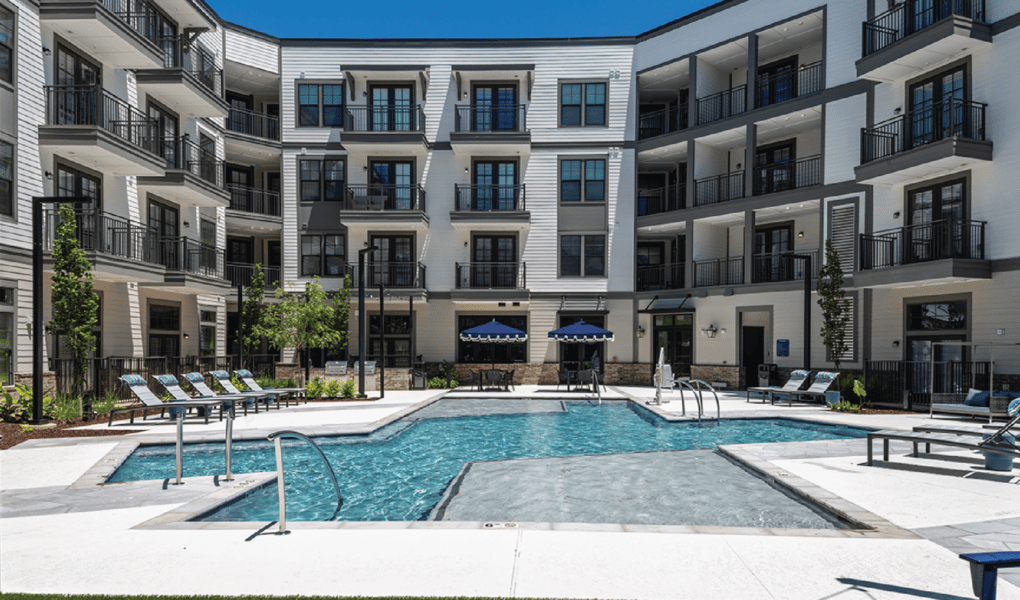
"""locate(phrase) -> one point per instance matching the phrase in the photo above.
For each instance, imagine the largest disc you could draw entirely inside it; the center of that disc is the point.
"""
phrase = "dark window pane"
(309, 115)
(570, 115)
(594, 255)
(937, 316)
(334, 179)
(595, 191)
(595, 115)
(595, 94)
(309, 180)
(570, 255)
(332, 116)
(164, 317)
(571, 94)
(310, 265)
(570, 191)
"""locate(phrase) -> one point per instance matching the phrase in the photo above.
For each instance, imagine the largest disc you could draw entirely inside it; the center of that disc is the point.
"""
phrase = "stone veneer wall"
(733, 375)
(49, 381)
(546, 373)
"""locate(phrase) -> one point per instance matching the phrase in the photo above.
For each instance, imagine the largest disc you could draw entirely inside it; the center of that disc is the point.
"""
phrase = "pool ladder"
(276, 438)
(698, 387)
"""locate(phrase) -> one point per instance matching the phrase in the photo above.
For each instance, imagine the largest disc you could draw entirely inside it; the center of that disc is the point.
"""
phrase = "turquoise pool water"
(399, 472)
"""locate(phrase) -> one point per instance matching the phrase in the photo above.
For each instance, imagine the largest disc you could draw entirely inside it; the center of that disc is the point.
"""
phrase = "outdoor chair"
(476, 379)
(823, 379)
(223, 378)
(197, 381)
(136, 383)
(170, 383)
(249, 380)
(494, 378)
(996, 435)
(508, 379)
(585, 378)
(797, 379)
(563, 378)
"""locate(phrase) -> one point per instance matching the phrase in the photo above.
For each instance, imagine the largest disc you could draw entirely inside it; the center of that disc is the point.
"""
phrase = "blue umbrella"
(493, 332)
(582, 333)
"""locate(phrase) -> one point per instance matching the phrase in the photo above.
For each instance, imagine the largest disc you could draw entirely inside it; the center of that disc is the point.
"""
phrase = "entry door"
(936, 219)
(495, 186)
(777, 82)
(164, 219)
(674, 334)
(495, 108)
(71, 183)
(950, 365)
(774, 168)
(770, 246)
(752, 353)
(392, 262)
(166, 133)
(651, 194)
(936, 107)
(651, 274)
(494, 264)
(394, 180)
(391, 107)
(75, 101)
(240, 113)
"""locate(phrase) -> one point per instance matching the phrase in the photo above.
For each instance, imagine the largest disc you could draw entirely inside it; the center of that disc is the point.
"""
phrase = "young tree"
(75, 304)
(306, 321)
(255, 317)
(832, 299)
(342, 315)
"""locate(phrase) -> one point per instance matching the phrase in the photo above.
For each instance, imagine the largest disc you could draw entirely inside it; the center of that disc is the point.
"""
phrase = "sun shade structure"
(582, 333)
(493, 333)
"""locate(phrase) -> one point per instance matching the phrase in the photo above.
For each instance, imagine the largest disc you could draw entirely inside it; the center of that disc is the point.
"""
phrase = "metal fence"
(719, 271)
(491, 117)
(488, 198)
(660, 277)
(720, 188)
(661, 200)
(492, 275)
(788, 175)
(256, 124)
(180, 52)
(104, 233)
(909, 17)
(662, 122)
(952, 117)
(908, 384)
(945, 238)
(723, 104)
(381, 197)
(254, 200)
(384, 117)
(92, 105)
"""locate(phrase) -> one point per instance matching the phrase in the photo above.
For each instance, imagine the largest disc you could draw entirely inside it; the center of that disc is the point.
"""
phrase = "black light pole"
(240, 326)
(807, 306)
(362, 340)
(37, 296)
(382, 343)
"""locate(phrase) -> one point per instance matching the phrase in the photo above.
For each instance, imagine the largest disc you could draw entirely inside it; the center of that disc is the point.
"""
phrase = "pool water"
(400, 472)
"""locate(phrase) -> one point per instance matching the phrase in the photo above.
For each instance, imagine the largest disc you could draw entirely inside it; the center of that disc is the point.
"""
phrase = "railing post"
(281, 492)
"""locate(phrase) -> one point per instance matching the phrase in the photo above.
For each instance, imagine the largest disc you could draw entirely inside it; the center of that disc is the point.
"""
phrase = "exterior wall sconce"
(896, 215)
(49, 176)
(186, 336)
(640, 331)
(738, 166)
(46, 51)
(710, 331)
(895, 343)
(187, 225)
(800, 234)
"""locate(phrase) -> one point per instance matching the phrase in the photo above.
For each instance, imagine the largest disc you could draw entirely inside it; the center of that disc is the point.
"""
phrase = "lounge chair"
(170, 383)
(223, 378)
(197, 381)
(136, 383)
(823, 379)
(956, 403)
(995, 443)
(249, 380)
(989, 431)
(797, 379)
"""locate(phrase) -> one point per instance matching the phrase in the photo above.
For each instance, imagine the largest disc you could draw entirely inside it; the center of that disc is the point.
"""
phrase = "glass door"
(495, 108)
(777, 82)
(166, 134)
(674, 334)
(774, 164)
(76, 100)
(494, 264)
(495, 186)
(392, 182)
(771, 244)
(393, 264)
(163, 219)
(391, 108)
(936, 223)
(937, 109)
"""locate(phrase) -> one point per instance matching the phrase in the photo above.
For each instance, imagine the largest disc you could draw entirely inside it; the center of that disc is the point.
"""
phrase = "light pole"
(807, 305)
(362, 340)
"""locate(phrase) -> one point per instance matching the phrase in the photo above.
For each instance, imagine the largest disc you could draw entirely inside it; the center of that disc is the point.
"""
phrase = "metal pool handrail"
(698, 391)
(275, 438)
(702, 385)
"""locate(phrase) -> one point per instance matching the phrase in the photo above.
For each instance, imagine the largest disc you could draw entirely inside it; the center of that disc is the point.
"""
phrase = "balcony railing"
(720, 188)
(137, 14)
(661, 200)
(660, 277)
(662, 122)
(255, 124)
(787, 85)
(778, 267)
(492, 118)
(724, 104)
(255, 201)
(489, 198)
(719, 271)
(377, 197)
(391, 274)
(949, 118)
(492, 275)
(242, 273)
(182, 154)
(909, 17)
(92, 105)
(789, 175)
(190, 256)
(946, 238)
(108, 234)
(179, 52)
(385, 117)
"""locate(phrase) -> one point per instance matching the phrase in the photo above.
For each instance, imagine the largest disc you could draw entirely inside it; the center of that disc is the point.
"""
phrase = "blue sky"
(459, 19)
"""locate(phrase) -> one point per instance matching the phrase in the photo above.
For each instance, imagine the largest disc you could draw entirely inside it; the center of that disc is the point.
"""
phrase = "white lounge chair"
(823, 380)
(138, 387)
(797, 379)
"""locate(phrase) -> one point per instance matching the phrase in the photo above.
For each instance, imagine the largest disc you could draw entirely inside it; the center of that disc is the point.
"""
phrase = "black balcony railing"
(723, 104)
(778, 267)
(719, 271)
(190, 256)
(392, 274)
(662, 122)
(720, 188)
(907, 18)
(182, 154)
(92, 105)
(661, 200)
(181, 53)
(786, 85)
(492, 275)
(946, 238)
(105, 233)
(491, 118)
(488, 198)
(378, 197)
(788, 175)
(255, 201)
(908, 384)
(660, 277)
(139, 15)
(941, 120)
(255, 124)
(384, 117)
(242, 273)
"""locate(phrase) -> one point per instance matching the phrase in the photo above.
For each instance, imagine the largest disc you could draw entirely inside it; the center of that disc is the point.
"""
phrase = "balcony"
(938, 252)
(193, 176)
(662, 200)
(788, 175)
(494, 130)
(492, 276)
(114, 32)
(788, 85)
(100, 130)
(240, 274)
(254, 124)
(253, 209)
(391, 274)
(719, 271)
(918, 35)
(777, 268)
(498, 206)
(660, 277)
(387, 123)
(719, 188)
(662, 122)
(377, 203)
(724, 104)
(188, 82)
(192, 267)
(119, 249)
(923, 143)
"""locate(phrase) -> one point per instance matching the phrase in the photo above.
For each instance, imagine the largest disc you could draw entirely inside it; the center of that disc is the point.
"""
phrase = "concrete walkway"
(60, 533)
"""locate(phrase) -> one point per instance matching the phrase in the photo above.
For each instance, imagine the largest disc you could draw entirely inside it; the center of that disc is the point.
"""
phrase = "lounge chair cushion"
(133, 379)
(1014, 408)
(194, 377)
(242, 373)
(977, 398)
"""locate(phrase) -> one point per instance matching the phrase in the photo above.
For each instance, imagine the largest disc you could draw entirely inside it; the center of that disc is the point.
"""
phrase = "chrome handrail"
(275, 438)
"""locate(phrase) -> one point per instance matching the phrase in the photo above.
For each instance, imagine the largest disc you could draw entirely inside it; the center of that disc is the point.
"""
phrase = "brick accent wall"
(731, 374)
(546, 373)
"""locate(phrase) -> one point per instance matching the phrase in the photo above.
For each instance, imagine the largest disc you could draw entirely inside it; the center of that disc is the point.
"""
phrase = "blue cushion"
(242, 373)
(977, 398)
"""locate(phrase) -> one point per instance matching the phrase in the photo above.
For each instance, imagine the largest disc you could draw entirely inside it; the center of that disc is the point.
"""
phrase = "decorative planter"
(832, 399)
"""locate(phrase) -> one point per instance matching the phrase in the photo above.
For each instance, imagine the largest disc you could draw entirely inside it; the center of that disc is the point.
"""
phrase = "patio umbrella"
(582, 333)
(493, 332)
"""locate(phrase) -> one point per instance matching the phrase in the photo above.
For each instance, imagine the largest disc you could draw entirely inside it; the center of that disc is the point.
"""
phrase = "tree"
(75, 303)
(832, 299)
(342, 316)
(306, 321)
(255, 319)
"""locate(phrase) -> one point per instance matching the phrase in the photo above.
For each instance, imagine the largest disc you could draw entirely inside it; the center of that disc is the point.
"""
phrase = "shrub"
(106, 404)
(11, 410)
(440, 383)
(67, 408)
(315, 387)
(333, 389)
(349, 389)
(25, 398)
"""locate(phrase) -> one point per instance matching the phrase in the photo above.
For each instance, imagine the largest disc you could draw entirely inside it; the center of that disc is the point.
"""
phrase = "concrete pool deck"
(64, 534)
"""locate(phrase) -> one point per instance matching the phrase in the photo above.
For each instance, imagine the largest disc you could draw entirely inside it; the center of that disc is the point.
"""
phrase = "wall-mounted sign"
(782, 347)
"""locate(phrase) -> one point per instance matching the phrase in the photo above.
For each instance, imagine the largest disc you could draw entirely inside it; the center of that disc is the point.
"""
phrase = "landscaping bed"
(13, 434)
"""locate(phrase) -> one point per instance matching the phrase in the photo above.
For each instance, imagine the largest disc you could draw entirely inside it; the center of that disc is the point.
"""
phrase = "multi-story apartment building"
(676, 187)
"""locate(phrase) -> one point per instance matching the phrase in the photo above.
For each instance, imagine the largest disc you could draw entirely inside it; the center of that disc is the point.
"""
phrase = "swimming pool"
(400, 472)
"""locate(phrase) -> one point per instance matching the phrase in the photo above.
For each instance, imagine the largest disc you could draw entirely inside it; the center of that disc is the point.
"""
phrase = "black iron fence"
(909, 384)
(181, 52)
(719, 188)
(242, 273)
(719, 271)
(137, 14)
(256, 124)
(660, 200)
(491, 117)
(109, 234)
(660, 277)
(723, 104)
(190, 256)
(946, 238)
(492, 275)
(392, 274)
(487, 198)
(253, 200)
(949, 118)
(786, 85)
(775, 268)
(907, 18)
(182, 154)
(379, 197)
(662, 122)
(788, 175)
(92, 105)
(384, 117)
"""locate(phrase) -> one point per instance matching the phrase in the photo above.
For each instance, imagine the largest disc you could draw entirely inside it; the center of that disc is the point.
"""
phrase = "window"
(475, 352)
(322, 180)
(849, 330)
(398, 340)
(6, 348)
(208, 233)
(308, 105)
(164, 330)
(207, 333)
(323, 255)
(6, 45)
(164, 317)
(583, 180)
(333, 105)
(582, 104)
(937, 316)
(321, 105)
(6, 179)
(582, 256)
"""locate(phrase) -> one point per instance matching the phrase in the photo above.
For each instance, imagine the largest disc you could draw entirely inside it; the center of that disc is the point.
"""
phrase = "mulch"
(13, 434)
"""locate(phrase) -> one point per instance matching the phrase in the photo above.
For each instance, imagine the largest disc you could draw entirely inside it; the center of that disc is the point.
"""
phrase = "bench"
(984, 567)
(954, 404)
